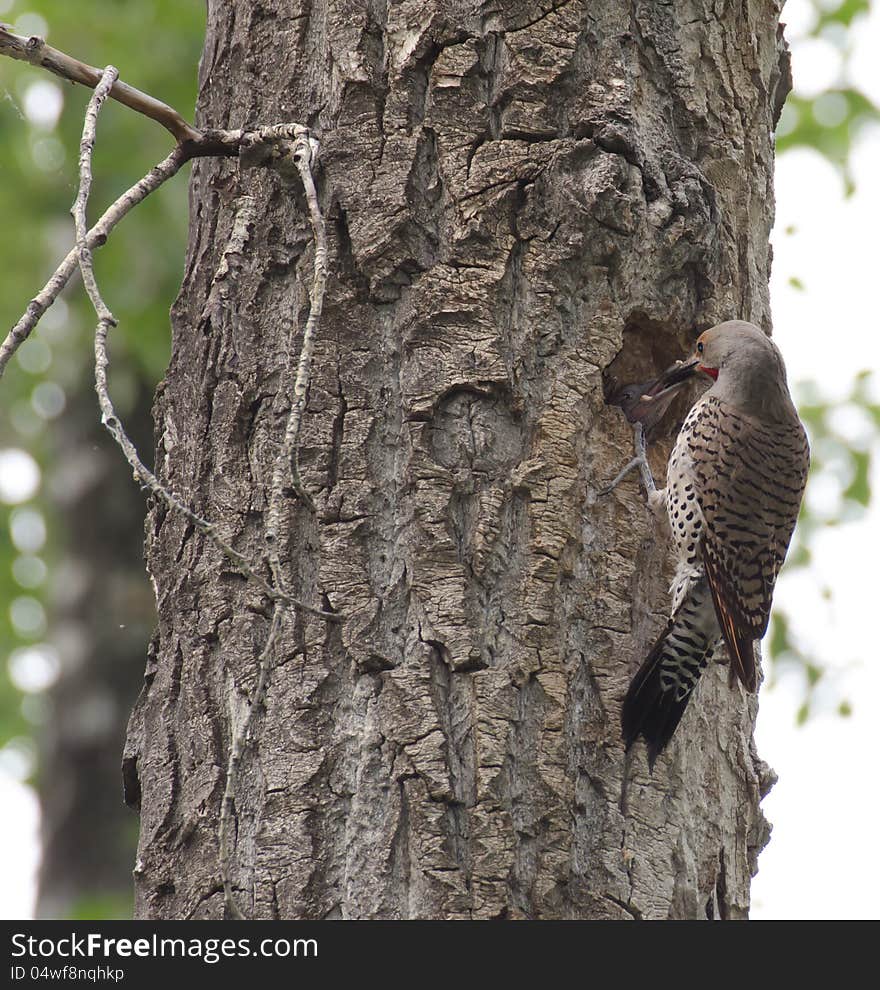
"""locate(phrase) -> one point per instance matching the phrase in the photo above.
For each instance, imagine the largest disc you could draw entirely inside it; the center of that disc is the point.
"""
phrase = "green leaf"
(859, 489)
(844, 14)
(807, 123)
(778, 642)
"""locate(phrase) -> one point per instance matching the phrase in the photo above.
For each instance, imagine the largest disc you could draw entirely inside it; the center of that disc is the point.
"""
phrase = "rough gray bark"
(521, 200)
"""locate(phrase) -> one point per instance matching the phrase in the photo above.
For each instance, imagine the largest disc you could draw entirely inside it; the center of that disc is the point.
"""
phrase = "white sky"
(822, 860)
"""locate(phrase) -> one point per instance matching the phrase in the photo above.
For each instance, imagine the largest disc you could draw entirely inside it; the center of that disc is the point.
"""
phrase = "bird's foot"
(640, 461)
(634, 463)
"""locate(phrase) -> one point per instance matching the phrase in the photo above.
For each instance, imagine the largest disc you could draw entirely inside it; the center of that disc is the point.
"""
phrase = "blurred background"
(76, 611)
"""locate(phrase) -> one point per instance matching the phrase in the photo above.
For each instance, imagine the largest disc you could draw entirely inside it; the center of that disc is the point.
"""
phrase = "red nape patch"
(711, 372)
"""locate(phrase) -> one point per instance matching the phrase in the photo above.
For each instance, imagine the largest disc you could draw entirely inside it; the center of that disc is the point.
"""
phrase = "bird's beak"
(675, 377)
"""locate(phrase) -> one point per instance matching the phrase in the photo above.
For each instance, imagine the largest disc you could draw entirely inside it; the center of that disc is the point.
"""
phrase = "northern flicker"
(735, 481)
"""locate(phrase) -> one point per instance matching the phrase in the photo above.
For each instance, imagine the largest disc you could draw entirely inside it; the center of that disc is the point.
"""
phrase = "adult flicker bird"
(735, 481)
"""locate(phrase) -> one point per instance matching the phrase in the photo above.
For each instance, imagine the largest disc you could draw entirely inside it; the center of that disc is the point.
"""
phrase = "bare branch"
(262, 146)
(109, 418)
(35, 51)
(275, 145)
(95, 238)
(86, 145)
(195, 143)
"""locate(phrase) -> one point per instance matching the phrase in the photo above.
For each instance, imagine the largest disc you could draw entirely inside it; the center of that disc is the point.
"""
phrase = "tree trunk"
(521, 201)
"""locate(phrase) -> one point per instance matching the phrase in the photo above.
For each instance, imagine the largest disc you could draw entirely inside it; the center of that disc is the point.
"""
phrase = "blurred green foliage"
(844, 12)
(829, 121)
(156, 45)
(844, 436)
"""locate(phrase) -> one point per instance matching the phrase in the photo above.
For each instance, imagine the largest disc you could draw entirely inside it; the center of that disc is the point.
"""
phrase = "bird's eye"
(700, 348)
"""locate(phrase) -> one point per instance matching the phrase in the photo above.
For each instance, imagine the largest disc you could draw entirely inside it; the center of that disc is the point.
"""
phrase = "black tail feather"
(649, 709)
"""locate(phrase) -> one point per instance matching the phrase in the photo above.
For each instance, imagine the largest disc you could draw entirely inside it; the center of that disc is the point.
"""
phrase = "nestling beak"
(678, 375)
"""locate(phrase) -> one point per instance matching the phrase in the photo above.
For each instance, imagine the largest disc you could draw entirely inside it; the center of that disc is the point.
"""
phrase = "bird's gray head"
(746, 366)
(737, 348)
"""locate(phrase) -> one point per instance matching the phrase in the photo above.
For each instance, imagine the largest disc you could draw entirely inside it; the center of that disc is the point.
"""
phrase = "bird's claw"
(640, 461)
(609, 488)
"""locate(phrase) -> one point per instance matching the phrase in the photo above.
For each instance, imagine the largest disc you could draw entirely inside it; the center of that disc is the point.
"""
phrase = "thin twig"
(195, 142)
(287, 460)
(109, 418)
(241, 738)
(304, 150)
(157, 175)
(37, 52)
(83, 252)
(259, 147)
(262, 146)
(274, 145)
(303, 153)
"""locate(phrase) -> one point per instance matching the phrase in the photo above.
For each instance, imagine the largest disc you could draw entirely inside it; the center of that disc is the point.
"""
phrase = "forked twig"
(158, 174)
(272, 145)
(106, 321)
